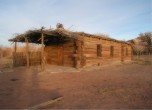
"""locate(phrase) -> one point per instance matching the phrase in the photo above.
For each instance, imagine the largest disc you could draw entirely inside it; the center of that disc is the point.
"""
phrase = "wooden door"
(54, 55)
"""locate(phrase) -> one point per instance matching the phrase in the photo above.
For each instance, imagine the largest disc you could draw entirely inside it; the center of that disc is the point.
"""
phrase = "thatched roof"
(56, 36)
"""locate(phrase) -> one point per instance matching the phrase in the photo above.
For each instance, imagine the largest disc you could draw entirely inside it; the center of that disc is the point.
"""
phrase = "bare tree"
(146, 39)
(138, 47)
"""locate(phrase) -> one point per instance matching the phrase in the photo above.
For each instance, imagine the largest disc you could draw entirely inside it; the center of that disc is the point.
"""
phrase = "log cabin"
(76, 49)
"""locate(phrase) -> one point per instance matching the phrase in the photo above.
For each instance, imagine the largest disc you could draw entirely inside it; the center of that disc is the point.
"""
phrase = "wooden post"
(83, 58)
(14, 54)
(0, 54)
(77, 54)
(27, 53)
(42, 51)
(122, 52)
(15, 47)
(131, 53)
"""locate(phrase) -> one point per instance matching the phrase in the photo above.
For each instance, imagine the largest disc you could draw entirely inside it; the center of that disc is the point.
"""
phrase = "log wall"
(83, 52)
(90, 51)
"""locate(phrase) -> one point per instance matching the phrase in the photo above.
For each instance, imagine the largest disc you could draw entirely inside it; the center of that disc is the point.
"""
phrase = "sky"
(120, 19)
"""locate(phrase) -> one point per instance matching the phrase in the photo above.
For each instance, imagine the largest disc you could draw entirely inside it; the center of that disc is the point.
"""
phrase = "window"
(111, 51)
(99, 50)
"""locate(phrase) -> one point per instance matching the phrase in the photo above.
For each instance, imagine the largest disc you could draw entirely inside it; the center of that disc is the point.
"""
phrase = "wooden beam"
(45, 104)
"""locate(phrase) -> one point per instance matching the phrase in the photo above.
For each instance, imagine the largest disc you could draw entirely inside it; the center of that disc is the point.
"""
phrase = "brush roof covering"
(56, 36)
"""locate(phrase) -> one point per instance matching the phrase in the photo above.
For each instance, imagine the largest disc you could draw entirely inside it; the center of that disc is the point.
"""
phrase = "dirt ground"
(114, 86)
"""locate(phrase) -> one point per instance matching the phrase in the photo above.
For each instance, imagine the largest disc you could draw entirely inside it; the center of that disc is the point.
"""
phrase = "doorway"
(54, 55)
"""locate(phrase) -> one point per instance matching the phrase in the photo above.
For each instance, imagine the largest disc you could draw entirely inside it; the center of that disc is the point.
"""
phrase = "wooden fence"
(20, 58)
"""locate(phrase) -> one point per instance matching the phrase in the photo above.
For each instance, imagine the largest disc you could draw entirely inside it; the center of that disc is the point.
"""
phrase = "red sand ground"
(117, 86)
